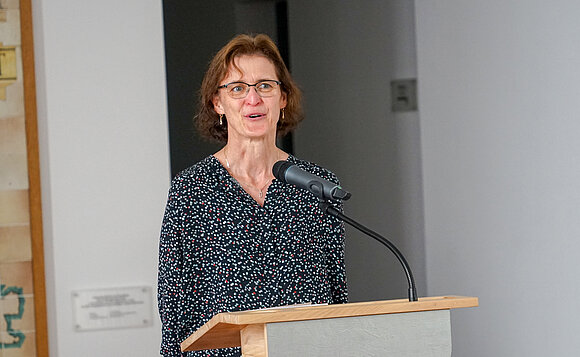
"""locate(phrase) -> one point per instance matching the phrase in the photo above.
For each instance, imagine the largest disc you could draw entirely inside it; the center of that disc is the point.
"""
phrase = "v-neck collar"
(225, 175)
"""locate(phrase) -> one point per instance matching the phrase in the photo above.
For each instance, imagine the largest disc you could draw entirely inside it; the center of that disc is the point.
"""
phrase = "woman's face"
(254, 116)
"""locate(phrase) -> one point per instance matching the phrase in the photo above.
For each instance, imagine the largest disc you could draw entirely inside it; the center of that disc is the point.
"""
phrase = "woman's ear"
(283, 100)
(217, 106)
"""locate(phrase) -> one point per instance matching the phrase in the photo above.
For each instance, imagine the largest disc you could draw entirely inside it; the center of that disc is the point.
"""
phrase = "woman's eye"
(265, 86)
(237, 88)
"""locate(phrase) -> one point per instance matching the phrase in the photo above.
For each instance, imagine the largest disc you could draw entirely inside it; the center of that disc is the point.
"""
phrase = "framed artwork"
(23, 326)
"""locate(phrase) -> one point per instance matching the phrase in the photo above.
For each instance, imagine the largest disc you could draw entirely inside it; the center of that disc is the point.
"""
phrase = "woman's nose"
(253, 97)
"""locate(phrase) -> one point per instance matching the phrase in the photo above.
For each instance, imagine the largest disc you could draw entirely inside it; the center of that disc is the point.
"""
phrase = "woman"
(233, 237)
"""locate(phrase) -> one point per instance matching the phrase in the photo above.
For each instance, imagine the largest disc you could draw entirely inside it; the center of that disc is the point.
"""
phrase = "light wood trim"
(226, 326)
(27, 44)
(254, 341)
(229, 336)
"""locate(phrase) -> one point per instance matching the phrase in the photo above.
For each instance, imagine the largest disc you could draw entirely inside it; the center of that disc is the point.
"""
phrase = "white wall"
(344, 55)
(499, 90)
(104, 159)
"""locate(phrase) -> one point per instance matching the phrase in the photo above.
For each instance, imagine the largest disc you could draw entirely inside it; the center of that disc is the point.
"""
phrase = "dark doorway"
(194, 32)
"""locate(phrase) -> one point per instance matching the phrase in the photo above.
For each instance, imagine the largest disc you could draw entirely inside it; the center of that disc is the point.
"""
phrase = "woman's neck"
(251, 162)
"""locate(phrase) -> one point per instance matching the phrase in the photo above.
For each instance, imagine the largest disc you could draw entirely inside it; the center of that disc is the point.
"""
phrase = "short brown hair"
(207, 120)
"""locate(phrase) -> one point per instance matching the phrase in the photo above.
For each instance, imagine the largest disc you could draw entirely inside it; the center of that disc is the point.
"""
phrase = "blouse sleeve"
(169, 276)
(335, 262)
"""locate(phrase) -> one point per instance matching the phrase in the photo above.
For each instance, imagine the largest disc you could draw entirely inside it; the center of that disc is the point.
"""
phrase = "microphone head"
(279, 170)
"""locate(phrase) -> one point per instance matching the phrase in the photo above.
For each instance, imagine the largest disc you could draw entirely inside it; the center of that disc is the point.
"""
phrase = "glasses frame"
(249, 86)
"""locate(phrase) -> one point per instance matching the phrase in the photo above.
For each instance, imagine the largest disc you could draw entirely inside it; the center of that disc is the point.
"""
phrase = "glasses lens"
(266, 88)
(237, 90)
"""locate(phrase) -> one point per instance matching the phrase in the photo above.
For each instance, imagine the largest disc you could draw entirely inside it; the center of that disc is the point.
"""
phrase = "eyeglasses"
(239, 90)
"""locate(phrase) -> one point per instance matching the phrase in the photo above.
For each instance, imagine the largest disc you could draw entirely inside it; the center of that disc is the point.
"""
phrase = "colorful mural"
(13, 310)
(17, 317)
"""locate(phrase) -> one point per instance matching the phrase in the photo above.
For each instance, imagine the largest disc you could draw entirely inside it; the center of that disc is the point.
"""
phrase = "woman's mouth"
(255, 116)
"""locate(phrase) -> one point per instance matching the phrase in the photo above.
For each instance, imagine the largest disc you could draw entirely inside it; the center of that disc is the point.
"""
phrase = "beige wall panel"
(26, 323)
(17, 274)
(28, 349)
(12, 134)
(13, 161)
(14, 173)
(15, 244)
(13, 105)
(14, 207)
(11, 304)
(12, 92)
(10, 4)
(10, 28)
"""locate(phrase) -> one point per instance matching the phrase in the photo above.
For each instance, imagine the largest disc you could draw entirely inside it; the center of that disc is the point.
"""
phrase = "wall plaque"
(104, 309)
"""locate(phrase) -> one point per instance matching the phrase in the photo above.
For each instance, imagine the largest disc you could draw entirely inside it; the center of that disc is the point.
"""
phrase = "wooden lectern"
(377, 328)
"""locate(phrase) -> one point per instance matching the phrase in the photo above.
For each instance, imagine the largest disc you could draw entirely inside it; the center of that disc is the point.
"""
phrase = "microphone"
(325, 191)
(321, 188)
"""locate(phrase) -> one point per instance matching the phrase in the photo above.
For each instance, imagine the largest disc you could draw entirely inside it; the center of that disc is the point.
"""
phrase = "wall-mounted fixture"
(404, 95)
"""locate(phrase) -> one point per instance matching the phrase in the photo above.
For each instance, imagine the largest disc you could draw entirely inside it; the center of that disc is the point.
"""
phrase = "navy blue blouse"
(221, 251)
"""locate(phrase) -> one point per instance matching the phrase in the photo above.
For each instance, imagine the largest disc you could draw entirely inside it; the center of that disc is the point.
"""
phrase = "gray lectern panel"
(424, 334)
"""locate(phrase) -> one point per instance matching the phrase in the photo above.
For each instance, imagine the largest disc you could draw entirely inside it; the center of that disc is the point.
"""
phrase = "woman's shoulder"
(314, 168)
(202, 171)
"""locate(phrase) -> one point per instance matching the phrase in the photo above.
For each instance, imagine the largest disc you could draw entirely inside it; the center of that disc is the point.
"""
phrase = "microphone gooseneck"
(331, 210)
(327, 191)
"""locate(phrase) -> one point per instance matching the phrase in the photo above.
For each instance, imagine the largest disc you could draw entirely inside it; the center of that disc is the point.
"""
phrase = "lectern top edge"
(344, 310)
(227, 325)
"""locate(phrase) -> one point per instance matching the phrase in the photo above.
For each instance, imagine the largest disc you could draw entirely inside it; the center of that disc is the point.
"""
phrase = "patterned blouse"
(221, 251)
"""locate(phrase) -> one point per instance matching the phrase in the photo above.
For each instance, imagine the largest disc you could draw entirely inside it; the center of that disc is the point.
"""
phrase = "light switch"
(404, 95)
